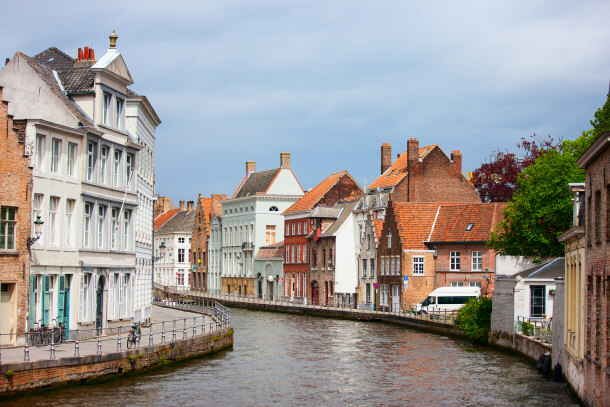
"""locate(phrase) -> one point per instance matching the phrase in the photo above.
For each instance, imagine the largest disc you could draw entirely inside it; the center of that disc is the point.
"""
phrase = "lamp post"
(37, 230)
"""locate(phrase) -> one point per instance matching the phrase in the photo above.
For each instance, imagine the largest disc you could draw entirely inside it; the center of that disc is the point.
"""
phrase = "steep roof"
(181, 222)
(414, 221)
(164, 217)
(77, 80)
(55, 59)
(311, 198)
(552, 269)
(272, 251)
(398, 170)
(466, 222)
(378, 224)
(256, 183)
(346, 210)
(207, 209)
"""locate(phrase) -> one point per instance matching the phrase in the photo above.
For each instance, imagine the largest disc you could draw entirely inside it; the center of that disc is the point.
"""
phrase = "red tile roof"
(308, 201)
(454, 219)
(414, 222)
(164, 217)
(398, 169)
(378, 228)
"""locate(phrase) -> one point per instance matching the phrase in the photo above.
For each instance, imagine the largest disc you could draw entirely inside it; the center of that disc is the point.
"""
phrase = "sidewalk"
(109, 344)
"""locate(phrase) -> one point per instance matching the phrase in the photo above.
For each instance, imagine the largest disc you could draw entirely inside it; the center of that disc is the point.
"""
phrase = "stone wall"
(503, 311)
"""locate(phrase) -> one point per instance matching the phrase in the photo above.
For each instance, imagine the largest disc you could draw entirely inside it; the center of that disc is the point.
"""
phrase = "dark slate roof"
(256, 182)
(131, 93)
(77, 80)
(181, 222)
(552, 269)
(55, 59)
(46, 74)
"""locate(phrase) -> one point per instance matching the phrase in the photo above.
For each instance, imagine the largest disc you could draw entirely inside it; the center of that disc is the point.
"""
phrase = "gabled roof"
(55, 59)
(346, 209)
(207, 209)
(164, 217)
(181, 222)
(398, 170)
(453, 222)
(256, 183)
(414, 221)
(272, 251)
(311, 198)
(552, 269)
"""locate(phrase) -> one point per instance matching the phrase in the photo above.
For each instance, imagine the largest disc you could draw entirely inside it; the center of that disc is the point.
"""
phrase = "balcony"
(247, 246)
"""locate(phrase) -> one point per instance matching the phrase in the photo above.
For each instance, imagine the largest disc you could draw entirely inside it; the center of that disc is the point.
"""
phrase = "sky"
(330, 81)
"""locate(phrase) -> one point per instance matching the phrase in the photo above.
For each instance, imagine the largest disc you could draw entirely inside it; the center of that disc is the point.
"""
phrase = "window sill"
(9, 253)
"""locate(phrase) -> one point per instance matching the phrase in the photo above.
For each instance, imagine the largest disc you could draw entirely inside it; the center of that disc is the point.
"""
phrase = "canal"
(282, 359)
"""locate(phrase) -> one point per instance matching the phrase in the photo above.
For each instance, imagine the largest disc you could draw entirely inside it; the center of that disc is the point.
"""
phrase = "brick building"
(201, 235)
(15, 198)
(335, 187)
(596, 162)
(162, 205)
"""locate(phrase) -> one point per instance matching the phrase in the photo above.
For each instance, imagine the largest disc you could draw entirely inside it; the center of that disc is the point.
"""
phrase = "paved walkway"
(109, 343)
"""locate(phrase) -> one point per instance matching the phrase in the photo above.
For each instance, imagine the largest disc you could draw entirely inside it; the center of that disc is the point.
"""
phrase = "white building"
(215, 255)
(253, 218)
(142, 121)
(84, 187)
(174, 268)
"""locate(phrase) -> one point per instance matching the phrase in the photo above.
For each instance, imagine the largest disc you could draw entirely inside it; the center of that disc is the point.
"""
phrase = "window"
(393, 265)
(360, 234)
(389, 239)
(87, 225)
(292, 253)
(364, 261)
(101, 235)
(384, 294)
(90, 160)
(298, 253)
(55, 154)
(293, 226)
(287, 229)
(372, 263)
(7, 227)
(537, 301)
(477, 261)
(382, 266)
(86, 291)
(106, 108)
(314, 259)
(114, 214)
(454, 259)
(469, 227)
(180, 240)
(273, 209)
(69, 229)
(129, 159)
(474, 284)
(39, 151)
(398, 270)
(53, 231)
(126, 296)
(305, 253)
(387, 266)
(299, 228)
(598, 216)
(323, 258)
(180, 277)
(287, 256)
(103, 164)
(71, 164)
(37, 210)
(270, 234)
(118, 114)
(418, 266)
(305, 227)
(457, 284)
(180, 255)
(116, 168)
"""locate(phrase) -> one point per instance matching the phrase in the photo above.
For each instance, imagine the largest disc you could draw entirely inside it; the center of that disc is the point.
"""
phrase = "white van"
(447, 298)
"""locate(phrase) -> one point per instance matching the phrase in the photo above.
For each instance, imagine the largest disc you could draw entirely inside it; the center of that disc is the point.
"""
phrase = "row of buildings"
(76, 204)
(420, 225)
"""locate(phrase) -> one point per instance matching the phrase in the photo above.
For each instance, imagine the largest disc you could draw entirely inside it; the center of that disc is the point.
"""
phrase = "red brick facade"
(15, 197)
(596, 162)
(200, 239)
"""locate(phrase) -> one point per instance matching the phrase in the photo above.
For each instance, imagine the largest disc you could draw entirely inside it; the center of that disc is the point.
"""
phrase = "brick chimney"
(250, 167)
(456, 161)
(412, 167)
(386, 156)
(162, 205)
(285, 160)
(181, 205)
(85, 59)
(189, 206)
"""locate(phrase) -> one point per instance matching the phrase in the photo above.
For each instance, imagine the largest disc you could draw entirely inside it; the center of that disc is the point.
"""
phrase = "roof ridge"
(544, 266)
(434, 223)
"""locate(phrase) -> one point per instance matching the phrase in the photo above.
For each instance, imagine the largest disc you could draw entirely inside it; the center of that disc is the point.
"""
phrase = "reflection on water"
(280, 359)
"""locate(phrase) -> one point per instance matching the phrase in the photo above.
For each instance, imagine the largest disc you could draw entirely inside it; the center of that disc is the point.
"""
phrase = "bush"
(475, 318)
(527, 328)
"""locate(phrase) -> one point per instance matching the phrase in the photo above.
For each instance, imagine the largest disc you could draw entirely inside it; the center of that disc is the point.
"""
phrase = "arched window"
(273, 209)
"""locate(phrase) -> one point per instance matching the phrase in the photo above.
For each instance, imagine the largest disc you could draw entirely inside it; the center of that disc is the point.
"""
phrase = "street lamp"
(162, 248)
(37, 230)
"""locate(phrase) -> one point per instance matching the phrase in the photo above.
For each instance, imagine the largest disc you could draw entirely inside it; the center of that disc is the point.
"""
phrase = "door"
(315, 294)
(395, 298)
(46, 299)
(260, 286)
(5, 314)
(99, 308)
(63, 301)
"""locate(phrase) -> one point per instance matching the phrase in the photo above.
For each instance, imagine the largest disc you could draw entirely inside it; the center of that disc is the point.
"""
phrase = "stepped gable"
(414, 221)
(256, 183)
(55, 59)
(164, 217)
(398, 170)
(453, 222)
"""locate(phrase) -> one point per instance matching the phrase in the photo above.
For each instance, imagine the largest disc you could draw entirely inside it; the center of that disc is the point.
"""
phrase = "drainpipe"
(435, 255)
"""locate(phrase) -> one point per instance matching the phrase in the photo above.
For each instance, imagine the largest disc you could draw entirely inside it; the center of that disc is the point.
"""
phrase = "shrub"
(475, 318)
(527, 328)
(9, 373)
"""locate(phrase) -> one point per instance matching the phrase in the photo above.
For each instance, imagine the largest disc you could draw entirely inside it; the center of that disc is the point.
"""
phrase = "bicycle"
(135, 334)
(58, 332)
(39, 336)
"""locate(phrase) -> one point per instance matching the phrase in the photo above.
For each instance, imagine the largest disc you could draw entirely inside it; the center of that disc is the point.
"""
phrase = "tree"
(496, 179)
(540, 209)
(475, 318)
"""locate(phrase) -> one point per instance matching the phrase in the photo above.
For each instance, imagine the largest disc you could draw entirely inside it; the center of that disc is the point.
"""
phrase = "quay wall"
(17, 377)
(527, 346)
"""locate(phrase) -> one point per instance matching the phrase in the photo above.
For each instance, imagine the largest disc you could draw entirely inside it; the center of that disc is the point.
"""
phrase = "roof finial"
(113, 38)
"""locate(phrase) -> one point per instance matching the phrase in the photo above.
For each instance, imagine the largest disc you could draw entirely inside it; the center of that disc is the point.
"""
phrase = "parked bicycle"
(135, 334)
(38, 336)
(59, 332)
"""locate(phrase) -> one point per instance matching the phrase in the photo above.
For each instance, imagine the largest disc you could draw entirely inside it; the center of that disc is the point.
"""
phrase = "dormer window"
(107, 107)
(469, 227)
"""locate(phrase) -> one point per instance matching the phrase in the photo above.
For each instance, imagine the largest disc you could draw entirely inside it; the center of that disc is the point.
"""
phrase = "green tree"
(475, 318)
(540, 209)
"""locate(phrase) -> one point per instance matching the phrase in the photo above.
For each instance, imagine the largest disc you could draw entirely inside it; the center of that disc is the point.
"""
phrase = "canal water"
(293, 360)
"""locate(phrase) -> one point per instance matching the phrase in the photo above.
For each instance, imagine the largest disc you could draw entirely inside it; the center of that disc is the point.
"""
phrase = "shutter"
(32, 300)
(61, 306)
(110, 296)
(45, 299)
(81, 299)
(92, 299)
(132, 296)
(121, 296)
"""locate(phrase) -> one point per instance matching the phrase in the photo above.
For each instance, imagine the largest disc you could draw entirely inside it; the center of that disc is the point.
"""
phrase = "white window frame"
(55, 155)
(119, 122)
(40, 146)
(54, 202)
(101, 226)
(91, 147)
(8, 223)
(104, 156)
(116, 167)
(454, 261)
(126, 230)
(106, 108)
(477, 260)
(71, 161)
(419, 263)
(87, 212)
(70, 205)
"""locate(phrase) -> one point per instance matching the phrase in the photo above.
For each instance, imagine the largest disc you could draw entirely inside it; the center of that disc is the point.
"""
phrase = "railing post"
(163, 332)
(174, 332)
(184, 330)
(194, 326)
(150, 335)
(118, 341)
(26, 349)
(210, 325)
(52, 333)
(203, 325)
(99, 341)
(76, 346)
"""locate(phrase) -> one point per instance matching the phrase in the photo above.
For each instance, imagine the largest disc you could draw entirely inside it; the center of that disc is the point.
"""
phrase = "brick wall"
(15, 191)
(199, 247)
(162, 205)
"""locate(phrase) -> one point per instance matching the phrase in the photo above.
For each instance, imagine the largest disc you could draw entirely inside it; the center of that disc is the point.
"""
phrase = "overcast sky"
(329, 81)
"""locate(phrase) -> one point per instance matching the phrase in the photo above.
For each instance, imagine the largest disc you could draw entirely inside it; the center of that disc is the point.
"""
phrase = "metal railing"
(539, 328)
(45, 343)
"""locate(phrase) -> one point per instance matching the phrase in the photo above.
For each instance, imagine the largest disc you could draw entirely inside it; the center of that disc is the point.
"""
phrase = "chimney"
(285, 160)
(86, 53)
(456, 161)
(250, 167)
(85, 59)
(386, 157)
(162, 205)
(189, 206)
(80, 55)
(181, 205)
(91, 55)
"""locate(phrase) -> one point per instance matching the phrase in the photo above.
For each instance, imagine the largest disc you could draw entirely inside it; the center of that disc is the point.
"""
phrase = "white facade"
(173, 269)
(141, 124)
(346, 267)
(214, 255)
